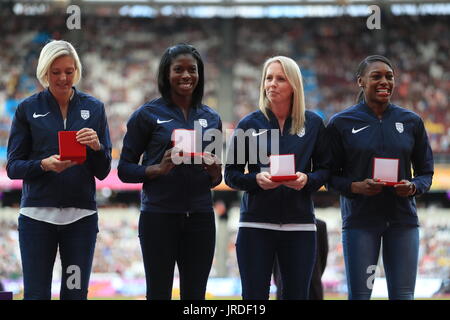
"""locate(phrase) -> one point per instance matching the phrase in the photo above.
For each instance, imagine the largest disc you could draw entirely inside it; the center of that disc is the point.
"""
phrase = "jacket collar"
(193, 111)
(73, 99)
(173, 105)
(274, 121)
(365, 108)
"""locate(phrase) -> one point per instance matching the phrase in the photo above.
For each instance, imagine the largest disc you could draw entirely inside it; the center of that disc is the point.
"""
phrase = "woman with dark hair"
(176, 224)
(376, 212)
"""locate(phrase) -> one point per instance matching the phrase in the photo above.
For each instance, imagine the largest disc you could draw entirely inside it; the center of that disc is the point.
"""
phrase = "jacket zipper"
(382, 135)
(382, 149)
(186, 181)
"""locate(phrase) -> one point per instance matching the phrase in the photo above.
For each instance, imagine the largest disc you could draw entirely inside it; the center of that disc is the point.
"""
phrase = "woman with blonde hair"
(277, 217)
(58, 210)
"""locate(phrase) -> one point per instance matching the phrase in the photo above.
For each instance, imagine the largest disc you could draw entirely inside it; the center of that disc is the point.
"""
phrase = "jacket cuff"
(415, 192)
(252, 185)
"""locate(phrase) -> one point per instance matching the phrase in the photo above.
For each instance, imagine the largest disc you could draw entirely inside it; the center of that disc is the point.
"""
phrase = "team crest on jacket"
(399, 126)
(203, 122)
(85, 114)
(302, 132)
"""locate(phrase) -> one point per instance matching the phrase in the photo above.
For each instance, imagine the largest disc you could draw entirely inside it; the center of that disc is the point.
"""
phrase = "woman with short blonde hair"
(49, 53)
(58, 209)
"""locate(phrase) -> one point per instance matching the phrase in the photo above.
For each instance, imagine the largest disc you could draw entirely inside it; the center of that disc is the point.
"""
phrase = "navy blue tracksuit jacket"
(187, 187)
(34, 136)
(357, 136)
(280, 205)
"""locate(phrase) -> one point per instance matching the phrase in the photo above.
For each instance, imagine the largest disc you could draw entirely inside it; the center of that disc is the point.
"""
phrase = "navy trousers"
(185, 239)
(256, 250)
(39, 242)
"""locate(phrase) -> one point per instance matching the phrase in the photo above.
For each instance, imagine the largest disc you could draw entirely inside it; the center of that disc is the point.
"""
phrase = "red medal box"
(282, 167)
(386, 170)
(191, 154)
(283, 178)
(70, 148)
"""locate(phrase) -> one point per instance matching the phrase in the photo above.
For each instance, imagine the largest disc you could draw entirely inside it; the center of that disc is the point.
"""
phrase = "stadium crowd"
(117, 250)
(120, 57)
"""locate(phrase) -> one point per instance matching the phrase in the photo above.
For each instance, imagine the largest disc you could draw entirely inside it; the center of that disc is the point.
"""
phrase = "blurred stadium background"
(120, 43)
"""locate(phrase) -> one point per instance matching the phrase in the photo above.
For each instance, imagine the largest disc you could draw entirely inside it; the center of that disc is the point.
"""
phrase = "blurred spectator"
(118, 251)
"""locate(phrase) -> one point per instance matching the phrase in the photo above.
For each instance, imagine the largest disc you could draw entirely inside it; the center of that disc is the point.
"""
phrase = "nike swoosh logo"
(35, 115)
(257, 134)
(360, 129)
(163, 121)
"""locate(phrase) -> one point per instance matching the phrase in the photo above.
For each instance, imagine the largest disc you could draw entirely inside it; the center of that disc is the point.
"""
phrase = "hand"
(167, 162)
(368, 187)
(163, 167)
(53, 163)
(88, 137)
(299, 183)
(263, 180)
(405, 188)
(220, 208)
(212, 165)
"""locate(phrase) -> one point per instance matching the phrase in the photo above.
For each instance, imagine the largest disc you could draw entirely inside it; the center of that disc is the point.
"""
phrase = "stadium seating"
(120, 62)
